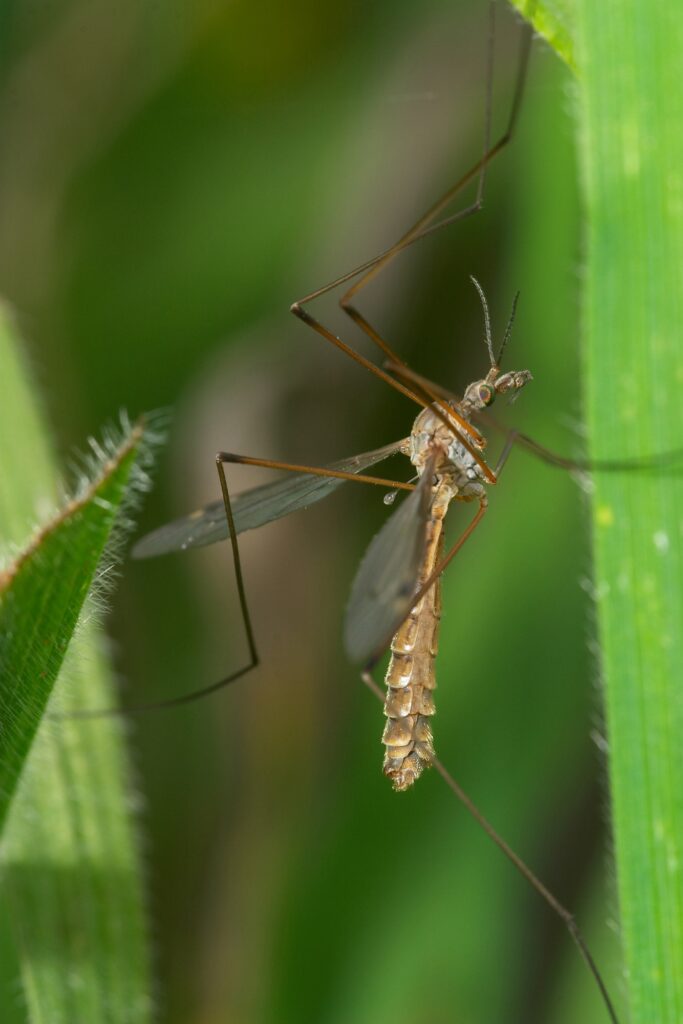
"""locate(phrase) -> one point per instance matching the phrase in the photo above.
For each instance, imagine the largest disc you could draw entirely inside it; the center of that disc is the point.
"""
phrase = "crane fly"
(395, 597)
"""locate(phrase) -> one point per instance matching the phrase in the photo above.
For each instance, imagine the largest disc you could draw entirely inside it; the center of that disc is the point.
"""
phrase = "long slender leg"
(424, 388)
(469, 530)
(193, 695)
(417, 380)
(646, 463)
(663, 460)
(414, 231)
(524, 870)
(297, 309)
(291, 467)
(423, 226)
(325, 332)
(450, 555)
(427, 389)
(452, 552)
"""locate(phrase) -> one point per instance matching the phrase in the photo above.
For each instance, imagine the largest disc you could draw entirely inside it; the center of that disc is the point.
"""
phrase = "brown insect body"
(410, 677)
(434, 447)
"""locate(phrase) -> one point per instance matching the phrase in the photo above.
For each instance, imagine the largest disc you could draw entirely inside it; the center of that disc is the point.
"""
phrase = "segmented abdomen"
(410, 677)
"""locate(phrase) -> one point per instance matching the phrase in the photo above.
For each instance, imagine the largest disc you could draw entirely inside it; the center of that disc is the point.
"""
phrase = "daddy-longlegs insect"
(396, 592)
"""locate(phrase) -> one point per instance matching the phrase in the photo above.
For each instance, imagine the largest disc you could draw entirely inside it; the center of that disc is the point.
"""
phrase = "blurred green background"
(172, 177)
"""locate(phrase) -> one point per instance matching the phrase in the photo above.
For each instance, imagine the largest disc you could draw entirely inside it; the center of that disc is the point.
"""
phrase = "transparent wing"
(383, 590)
(255, 507)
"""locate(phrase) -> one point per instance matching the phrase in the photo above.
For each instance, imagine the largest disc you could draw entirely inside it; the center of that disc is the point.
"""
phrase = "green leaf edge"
(555, 22)
(631, 109)
(73, 927)
(630, 102)
(42, 592)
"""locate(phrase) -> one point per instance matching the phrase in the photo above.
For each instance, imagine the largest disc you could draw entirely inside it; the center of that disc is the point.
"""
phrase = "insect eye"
(486, 394)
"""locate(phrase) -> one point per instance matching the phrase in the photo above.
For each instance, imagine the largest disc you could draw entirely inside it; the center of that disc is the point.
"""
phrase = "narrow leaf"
(631, 106)
(554, 20)
(42, 591)
(72, 923)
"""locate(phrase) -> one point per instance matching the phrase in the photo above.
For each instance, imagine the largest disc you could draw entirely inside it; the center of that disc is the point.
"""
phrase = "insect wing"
(383, 590)
(255, 507)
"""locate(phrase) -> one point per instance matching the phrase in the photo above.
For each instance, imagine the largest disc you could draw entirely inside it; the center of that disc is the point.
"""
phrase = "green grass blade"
(631, 109)
(71, 878)
(554, 20)
(632, 154)
(72, 895)
(42, 592)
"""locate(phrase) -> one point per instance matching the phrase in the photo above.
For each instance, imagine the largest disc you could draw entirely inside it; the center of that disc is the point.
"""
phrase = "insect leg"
(663, 460)
(367, 364)
(429, 392)
(503, 457)
(559, 909)
(524, 870)
(425, 225)
(291, 467)
(320, 328)
(469, 530)
(478, 170)
(402, 370)
(193, 695)
(450, 555)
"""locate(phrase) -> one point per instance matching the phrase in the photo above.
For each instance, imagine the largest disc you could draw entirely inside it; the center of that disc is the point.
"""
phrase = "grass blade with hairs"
(42, 592)
(72, 920)
(630, 107)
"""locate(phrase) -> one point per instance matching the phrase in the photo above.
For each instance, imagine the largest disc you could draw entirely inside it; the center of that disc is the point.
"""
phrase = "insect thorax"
(430, 437)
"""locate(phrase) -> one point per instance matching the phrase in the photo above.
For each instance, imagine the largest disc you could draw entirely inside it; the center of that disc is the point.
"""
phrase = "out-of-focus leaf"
(554, 20)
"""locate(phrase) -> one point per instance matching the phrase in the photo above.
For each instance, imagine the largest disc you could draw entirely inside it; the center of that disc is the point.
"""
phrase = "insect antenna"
(495, 362)
(487, 319)
(508, 329)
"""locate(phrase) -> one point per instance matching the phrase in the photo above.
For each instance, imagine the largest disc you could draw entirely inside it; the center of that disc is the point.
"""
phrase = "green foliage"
(42, 592)
(160, 210)
(631, 106)
(554, 20)
(72, 920)
(630, 109)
